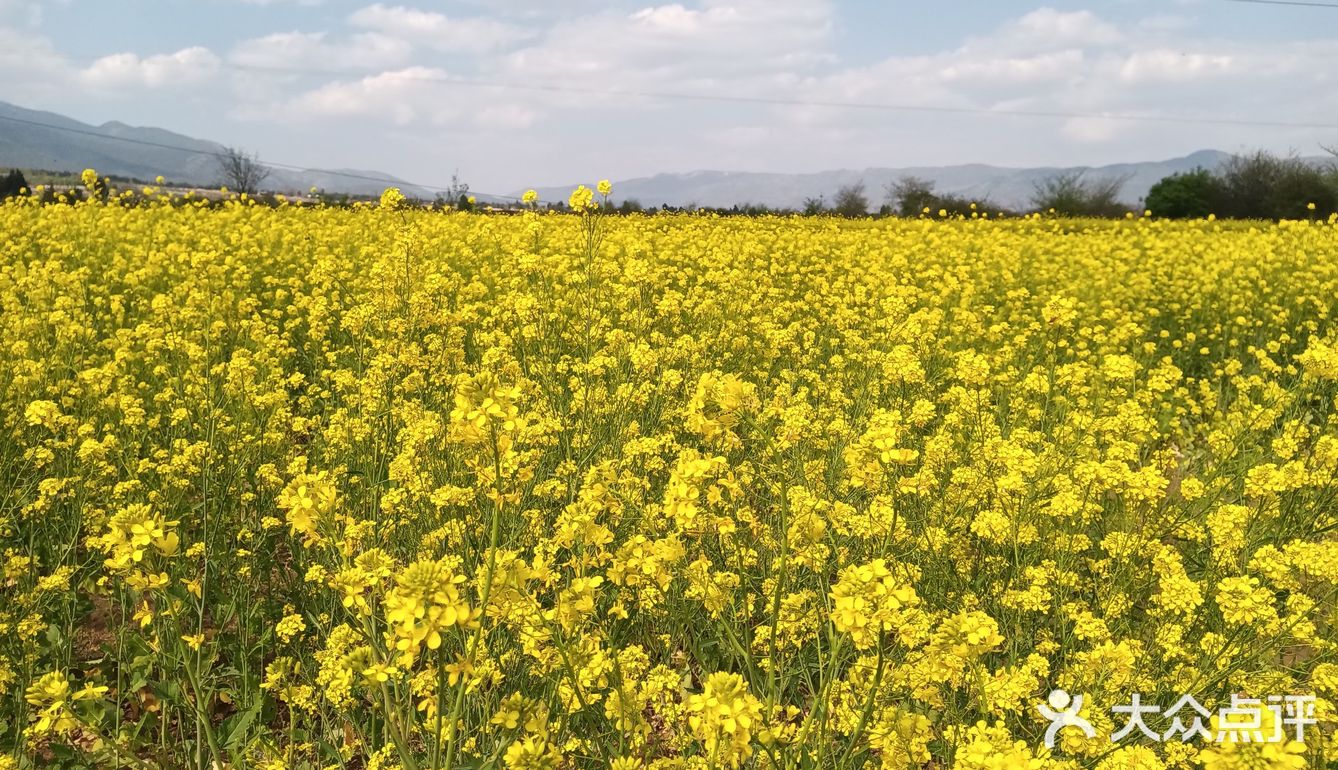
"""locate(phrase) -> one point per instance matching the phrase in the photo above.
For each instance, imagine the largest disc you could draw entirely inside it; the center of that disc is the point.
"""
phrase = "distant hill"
(151, 152)
(1007, 187)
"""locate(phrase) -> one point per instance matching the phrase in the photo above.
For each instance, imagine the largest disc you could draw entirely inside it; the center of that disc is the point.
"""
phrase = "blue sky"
(378, 85)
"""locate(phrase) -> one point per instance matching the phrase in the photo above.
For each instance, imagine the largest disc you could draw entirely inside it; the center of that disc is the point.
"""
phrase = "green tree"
(1187, 195)
(13, 184)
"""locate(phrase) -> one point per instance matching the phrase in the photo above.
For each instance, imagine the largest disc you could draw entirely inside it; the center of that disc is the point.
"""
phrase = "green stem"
(494, 535)
(202, 723)
(441, 702)
(406, 755)
(868, 704)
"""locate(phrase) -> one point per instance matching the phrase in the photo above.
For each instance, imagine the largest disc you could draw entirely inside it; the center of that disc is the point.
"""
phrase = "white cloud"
(720, 40)
(1045, 67)
(1049, 27)
(1043, 61)
(22, 52)
(399, 95)
(506, 117)
(1079, 63)
(188, 66)
(1163, 64)
(1093, 129)
(743, 46)
(473, 35)
(34, 69)
(410, 95)
(315, 51)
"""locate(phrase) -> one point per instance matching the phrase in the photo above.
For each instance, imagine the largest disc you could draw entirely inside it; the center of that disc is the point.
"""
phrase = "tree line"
(1254, 186)
(1260, 185)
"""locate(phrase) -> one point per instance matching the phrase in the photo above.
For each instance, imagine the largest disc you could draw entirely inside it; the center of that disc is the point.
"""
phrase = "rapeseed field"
(380, 487)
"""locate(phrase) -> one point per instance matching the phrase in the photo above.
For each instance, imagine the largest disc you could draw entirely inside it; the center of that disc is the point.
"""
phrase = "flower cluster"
(725, 716)
(869, 600)
(132, 532)
(424, 604)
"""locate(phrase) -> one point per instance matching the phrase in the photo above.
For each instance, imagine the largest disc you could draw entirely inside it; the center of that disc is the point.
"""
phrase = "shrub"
(814, 206)
(13, 184)
(1188, 195)
(911, 196)
(850, 201)
(1074, 194)
(1262, 185)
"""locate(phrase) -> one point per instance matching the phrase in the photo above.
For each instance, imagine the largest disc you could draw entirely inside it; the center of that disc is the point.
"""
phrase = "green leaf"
(236, 726)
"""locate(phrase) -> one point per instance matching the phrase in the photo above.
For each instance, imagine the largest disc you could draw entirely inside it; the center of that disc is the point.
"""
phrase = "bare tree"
(241, 171)
(911, 195)
(850, 200)
(1262, 185)
(1073, 194)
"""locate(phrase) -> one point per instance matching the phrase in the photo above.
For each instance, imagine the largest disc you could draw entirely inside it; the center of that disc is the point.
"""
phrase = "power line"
(1287, 2)
(781, 101)
(194, 151)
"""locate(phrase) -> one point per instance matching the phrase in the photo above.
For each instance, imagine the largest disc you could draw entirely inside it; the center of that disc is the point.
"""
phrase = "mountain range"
(31, 139)
(1010, 188)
